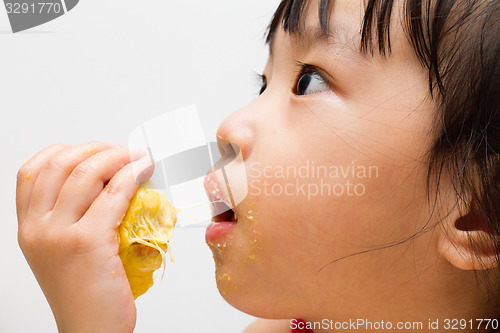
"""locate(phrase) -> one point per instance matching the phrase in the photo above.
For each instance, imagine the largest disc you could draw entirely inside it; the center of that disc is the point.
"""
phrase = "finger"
(57, 170)
(88, 180)
(111, 205)
(28, 174)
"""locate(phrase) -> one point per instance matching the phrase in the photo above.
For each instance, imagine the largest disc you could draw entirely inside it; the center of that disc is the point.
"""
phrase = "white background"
(95, 74)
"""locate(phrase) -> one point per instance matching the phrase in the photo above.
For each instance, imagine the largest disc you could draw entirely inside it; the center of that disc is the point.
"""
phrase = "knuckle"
(94, 143)
(28, 238)
(22, 238)
(112, 190)
(24, 172)
(33, 239)
(52, 240)
(27, 168)
(78, 241)
(91, 147)
(54, 164)
(61, 239)
(115, 196)
(82, 171)
(58, 146)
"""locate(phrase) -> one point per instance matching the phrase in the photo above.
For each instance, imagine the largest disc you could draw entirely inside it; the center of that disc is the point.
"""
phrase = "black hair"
(458, 43)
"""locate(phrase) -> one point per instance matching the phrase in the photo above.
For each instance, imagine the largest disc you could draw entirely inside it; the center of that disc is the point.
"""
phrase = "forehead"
(342, 37)
(344, 29)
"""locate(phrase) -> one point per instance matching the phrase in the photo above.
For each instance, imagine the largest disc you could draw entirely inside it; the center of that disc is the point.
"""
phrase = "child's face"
(345, 112)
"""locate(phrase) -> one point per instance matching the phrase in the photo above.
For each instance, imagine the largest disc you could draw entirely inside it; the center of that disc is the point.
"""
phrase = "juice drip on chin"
(226, 284)
(219, 247)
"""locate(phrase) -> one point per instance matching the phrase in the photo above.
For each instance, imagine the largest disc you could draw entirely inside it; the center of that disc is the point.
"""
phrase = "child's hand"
(68, 218)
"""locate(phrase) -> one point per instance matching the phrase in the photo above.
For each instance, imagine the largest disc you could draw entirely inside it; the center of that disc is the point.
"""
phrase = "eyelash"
(263, 83)
(303, 69)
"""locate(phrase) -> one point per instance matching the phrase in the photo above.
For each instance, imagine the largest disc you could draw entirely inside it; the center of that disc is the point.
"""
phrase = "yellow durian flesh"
(144, 234)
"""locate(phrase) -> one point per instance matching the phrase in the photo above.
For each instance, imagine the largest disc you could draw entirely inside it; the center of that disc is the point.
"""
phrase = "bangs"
(290, 16)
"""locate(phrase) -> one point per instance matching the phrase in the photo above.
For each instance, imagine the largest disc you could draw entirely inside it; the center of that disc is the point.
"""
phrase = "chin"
(242, 284)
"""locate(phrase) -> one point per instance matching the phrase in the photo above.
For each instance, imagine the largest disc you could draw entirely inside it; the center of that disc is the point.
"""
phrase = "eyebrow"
(336, 40)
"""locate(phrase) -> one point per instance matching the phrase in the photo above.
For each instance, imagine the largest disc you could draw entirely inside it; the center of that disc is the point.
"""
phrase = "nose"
(239, 129)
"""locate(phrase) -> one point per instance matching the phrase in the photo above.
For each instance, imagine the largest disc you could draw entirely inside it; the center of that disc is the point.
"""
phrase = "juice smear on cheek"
(254, 244)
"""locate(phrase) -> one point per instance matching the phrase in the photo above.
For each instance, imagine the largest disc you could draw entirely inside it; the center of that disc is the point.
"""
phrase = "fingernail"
(142, 169)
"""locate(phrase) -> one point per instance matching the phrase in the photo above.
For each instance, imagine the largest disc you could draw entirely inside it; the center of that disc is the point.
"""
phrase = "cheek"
(317, 196)
(334, 204)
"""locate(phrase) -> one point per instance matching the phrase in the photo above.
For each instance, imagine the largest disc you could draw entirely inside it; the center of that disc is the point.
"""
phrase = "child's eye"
(310, 82)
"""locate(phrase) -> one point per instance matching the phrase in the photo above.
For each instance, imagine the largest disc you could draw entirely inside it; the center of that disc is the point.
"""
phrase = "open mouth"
(223, 213)
(221, 209)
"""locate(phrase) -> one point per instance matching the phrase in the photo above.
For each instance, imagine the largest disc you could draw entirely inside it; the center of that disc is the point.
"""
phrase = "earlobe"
(466, 243)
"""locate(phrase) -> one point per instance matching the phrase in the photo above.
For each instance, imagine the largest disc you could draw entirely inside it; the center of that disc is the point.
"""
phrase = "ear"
(466, 243)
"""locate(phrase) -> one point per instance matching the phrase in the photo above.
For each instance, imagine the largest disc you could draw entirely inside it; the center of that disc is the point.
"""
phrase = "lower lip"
(218, 231)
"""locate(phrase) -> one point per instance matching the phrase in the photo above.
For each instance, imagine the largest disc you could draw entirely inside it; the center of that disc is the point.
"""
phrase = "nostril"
(228, 150)
(235, 149)
(238, 129)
